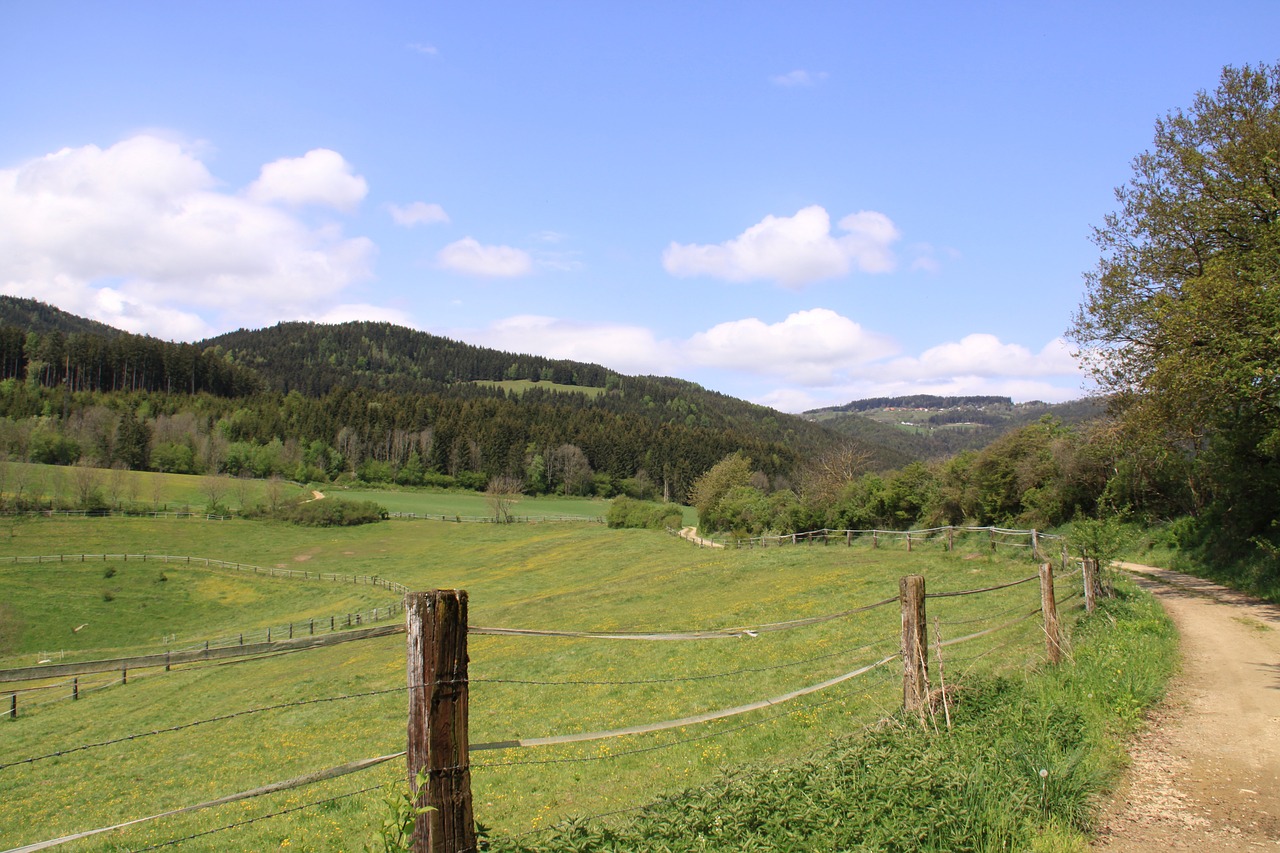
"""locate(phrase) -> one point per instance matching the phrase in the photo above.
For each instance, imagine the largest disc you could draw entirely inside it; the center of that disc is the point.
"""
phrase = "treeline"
(916, 401)
(89, 361)
(315, 358)
(376, 436)
(1041, 475)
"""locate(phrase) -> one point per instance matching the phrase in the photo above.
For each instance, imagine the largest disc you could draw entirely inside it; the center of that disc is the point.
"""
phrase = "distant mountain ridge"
(914, 401)
(926, 426)
(318, 361)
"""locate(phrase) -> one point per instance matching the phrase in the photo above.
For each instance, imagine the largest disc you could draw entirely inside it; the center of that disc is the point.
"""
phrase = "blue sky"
(799, 204)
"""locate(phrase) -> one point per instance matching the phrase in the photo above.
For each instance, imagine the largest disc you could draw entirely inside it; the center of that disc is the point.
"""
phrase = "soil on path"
(1206, 774)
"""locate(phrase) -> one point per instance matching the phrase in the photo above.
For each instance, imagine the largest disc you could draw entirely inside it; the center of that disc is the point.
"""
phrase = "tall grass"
(1020, 770)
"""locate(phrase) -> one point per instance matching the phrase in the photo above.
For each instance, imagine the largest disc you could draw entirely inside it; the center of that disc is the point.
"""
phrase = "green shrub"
(333, 512)
(628, 512)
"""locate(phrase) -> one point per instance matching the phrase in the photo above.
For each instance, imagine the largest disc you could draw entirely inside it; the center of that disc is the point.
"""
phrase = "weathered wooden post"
(915, 645)
(1049, 607)
(438, 738)
(1092, 583)
(908, 541)
(13, 706)
(1035, 544)
(951, 532)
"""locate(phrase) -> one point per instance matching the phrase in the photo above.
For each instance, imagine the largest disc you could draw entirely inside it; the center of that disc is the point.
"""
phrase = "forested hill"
(315, 358)
(915, 401)
(33, 316)
(373, 401)
(930, 427)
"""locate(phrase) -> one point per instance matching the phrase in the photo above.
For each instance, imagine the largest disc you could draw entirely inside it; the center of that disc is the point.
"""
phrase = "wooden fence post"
(1092, 583)
(915, 645)
(951, 532)
(908, 541)
(1049, 606)
(438, 737)
(1035, 544)
(13, 706)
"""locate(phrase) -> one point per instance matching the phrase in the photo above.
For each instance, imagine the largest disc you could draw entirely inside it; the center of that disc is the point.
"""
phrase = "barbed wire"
(980, 590)
(273, 788)
(683, 678)
(247, 821)
(195, 723)
(612, 755)
(884, 714)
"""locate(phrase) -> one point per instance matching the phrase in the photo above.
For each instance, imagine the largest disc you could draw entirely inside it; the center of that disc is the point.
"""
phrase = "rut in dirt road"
(1206, 775)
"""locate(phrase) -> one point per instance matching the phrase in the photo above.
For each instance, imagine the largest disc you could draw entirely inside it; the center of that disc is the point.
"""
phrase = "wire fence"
(871, 664)
(946, 537)
(310, 632)
(489, 519)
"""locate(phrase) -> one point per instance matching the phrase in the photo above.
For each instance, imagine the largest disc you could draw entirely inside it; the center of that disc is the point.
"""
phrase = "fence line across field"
(996, 536)
(208, 562)
(490, 519)
(242, 649)
(446, 666)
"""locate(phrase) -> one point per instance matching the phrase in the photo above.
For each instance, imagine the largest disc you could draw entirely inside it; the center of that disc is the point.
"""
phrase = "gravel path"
(1206, 773)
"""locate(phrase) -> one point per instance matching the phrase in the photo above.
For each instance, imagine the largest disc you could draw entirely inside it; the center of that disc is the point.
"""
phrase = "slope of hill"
(316, 359)
(930, 427)
(33, 316)
(384, 402)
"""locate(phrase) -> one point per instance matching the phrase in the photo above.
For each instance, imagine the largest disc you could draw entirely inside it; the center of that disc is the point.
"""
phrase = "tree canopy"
(1181, 318)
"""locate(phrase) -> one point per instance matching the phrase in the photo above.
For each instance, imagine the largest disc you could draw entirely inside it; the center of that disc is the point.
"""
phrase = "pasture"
(346, 702)
(459, 502)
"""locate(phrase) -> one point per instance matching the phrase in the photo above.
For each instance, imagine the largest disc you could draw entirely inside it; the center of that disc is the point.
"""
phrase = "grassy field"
(450, 502)
(521, 385)
(94, 610)
(148, 490)
(144, 490)
(562, 576)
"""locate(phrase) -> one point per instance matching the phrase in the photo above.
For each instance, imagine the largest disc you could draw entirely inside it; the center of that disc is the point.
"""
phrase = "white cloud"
(361, 311)
(139, 236)
(320, 177)
(824, 358)
(792, 250)
(424, 49)
(984, 355)
(418, 213)
(798, 77)
(470, 257)
(627, 349)
(812, 347)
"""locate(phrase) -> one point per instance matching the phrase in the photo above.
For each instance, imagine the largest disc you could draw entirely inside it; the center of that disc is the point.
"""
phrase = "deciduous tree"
(1181, 319)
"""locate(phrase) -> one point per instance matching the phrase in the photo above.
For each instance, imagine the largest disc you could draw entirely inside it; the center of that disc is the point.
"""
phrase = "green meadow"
(519, 386)
(467, 504)
(564, 576)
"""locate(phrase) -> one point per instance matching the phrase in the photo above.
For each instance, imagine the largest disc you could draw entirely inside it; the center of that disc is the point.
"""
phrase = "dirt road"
(1206, 775)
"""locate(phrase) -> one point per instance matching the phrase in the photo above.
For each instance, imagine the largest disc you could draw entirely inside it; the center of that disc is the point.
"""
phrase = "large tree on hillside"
(1181, 318)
